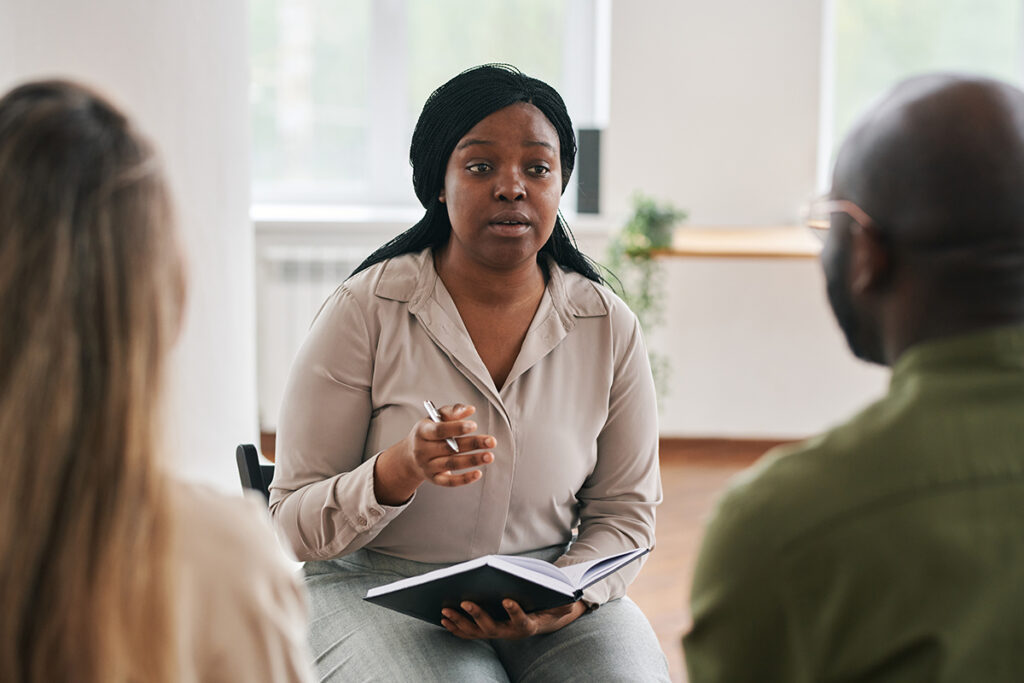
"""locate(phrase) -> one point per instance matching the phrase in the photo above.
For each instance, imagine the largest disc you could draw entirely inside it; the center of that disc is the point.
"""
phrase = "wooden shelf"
(785, 241)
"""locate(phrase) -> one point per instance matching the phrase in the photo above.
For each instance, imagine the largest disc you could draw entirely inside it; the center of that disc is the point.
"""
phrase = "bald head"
(938, 164)
(940, 160)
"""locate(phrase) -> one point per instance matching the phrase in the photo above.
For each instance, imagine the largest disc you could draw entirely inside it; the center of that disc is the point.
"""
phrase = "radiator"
(291, 284)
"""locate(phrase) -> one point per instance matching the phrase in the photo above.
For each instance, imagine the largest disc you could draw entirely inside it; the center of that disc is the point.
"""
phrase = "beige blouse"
(575, 423)
(241, 606)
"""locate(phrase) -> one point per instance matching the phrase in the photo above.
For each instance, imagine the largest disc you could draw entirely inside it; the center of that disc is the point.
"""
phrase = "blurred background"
(285, 125)
(731, 111)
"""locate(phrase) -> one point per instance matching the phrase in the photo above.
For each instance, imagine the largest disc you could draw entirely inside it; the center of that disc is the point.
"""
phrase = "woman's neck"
(465, 279)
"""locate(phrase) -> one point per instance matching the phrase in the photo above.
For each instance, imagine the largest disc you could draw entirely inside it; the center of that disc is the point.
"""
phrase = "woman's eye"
(540, 170)
(478, 168)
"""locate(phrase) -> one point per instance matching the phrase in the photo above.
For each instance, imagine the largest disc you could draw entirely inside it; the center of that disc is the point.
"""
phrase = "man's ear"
(870, 259)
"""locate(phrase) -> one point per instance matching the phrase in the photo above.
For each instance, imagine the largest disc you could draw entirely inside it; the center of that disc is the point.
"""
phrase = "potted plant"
(638, 277)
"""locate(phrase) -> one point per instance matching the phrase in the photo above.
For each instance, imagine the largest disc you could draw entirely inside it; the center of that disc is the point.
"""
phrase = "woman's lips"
(507, 229)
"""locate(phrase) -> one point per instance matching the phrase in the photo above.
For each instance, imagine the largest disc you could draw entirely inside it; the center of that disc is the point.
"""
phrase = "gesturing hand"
(479, 624)
(434, 459)
(425, 456)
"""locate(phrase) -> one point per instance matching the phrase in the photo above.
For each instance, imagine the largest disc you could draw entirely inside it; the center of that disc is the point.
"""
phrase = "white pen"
(436, 417)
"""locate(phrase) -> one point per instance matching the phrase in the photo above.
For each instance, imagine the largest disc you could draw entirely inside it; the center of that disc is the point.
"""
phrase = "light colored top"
(575, 423)
(888, 549)
(241, 607)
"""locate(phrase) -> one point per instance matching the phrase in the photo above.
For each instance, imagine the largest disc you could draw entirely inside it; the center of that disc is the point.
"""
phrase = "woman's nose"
(510, 186)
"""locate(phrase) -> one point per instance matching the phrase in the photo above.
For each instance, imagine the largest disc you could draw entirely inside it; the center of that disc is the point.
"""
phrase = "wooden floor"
(693, 473)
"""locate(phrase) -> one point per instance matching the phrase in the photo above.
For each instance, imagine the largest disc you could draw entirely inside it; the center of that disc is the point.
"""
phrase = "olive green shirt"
(888, 549)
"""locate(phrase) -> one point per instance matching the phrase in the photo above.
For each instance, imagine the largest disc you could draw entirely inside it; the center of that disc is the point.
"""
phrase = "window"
(872, 44)
(337, 84)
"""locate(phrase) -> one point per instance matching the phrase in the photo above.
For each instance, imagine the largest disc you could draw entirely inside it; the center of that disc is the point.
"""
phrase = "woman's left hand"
(479, 624)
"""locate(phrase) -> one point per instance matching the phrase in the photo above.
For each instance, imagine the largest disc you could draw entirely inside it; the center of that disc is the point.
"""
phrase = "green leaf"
(637, 277)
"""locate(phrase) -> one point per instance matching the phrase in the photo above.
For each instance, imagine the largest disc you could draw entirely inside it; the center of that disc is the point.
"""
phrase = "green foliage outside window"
(877, 43)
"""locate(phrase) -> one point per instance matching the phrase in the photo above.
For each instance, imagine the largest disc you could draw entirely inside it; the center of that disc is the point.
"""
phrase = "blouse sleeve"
(618, 499)
(322, 498)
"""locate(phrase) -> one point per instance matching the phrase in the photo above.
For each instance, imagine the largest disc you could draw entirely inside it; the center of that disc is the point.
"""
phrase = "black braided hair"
(449, 113)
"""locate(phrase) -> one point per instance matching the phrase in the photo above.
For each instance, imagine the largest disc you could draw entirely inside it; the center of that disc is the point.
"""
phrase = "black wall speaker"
(588, 170)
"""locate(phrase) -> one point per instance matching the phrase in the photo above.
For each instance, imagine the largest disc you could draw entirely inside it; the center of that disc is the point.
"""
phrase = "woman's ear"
(870, 259)
(440, 197)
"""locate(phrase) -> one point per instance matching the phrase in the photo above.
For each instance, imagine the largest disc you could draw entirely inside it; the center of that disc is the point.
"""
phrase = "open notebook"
(534, 584)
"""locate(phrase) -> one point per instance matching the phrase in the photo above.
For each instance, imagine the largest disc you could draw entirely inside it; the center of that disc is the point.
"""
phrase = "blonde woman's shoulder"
(242, 609)
(215, 526)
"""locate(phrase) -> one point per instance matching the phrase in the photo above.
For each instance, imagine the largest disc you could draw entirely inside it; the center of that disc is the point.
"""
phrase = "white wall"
(755, 351)
(714, 107)
(181, 71)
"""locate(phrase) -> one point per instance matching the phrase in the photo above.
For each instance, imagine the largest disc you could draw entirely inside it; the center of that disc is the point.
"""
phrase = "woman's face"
(502, 186)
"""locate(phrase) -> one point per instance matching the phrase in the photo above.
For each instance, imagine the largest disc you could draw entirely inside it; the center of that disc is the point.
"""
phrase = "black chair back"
(253, 475)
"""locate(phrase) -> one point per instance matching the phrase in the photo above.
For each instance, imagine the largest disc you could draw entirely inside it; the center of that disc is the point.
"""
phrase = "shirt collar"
(1000, 347)
(410, 278)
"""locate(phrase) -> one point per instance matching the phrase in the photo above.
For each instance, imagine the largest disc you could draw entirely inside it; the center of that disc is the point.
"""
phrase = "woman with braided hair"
(486, 307)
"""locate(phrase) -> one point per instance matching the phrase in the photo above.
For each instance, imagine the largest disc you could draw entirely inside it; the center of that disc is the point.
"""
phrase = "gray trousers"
(355, 641)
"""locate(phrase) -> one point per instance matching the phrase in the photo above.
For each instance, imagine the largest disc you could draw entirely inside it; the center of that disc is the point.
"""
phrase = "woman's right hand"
(424, 455)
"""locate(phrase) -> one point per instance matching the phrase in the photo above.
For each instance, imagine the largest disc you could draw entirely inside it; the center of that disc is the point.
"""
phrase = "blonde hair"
(91, 295)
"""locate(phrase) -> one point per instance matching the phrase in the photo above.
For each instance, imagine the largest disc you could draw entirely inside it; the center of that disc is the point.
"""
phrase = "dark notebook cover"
(486, 586)
(482, 582)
